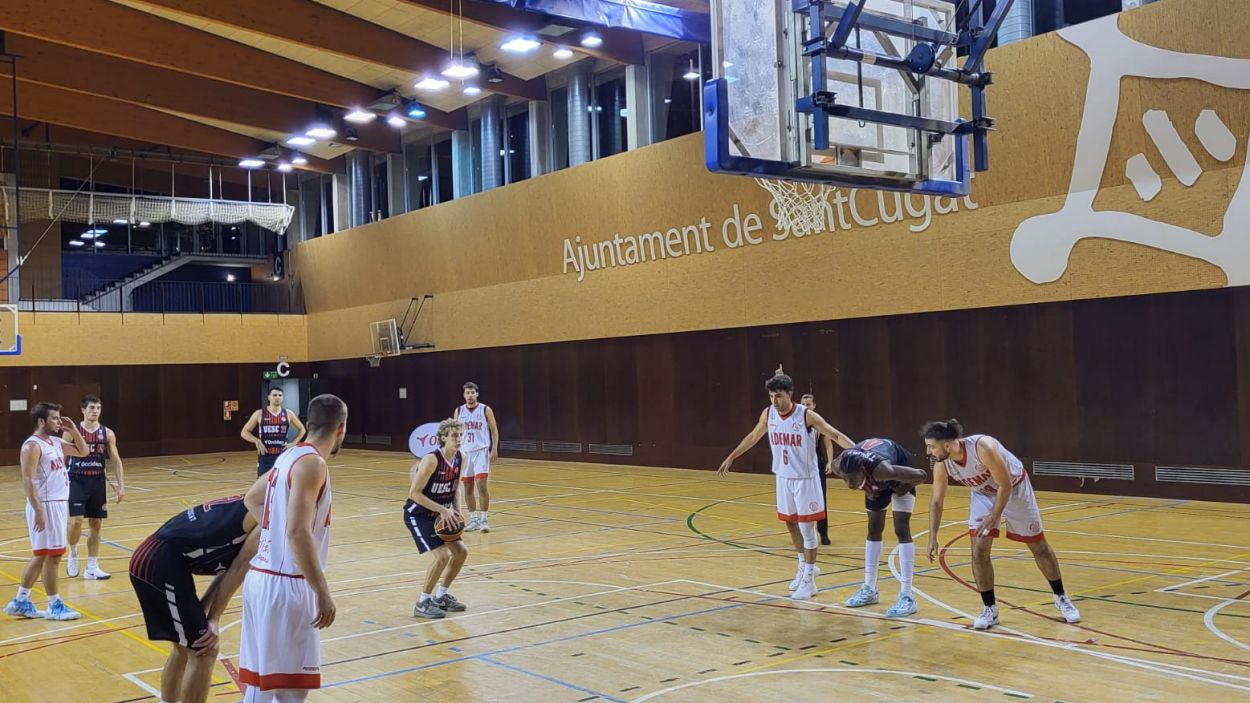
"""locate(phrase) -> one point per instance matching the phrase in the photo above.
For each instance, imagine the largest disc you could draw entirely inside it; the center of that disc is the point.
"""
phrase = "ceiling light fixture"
(416, 112)
(284, 167)
(76, 242)
(472, 90)
(359, 116)
(300, 140)
(592, 40)
(562, 53)
(351, 135)
(396, 121)
(230, 278)
(99, 244)
(322, 130)
(460, 71)
(431, 83)
(299, 159)
(691, 74)
(251, 163)
(145, 224)
(121, 221)
(520, 45)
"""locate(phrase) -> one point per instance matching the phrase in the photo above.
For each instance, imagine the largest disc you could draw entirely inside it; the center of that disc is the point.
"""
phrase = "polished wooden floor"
(640, 584)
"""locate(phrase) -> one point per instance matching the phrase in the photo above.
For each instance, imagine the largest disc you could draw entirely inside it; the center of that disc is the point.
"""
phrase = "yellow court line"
(101, 621)
(84, 611)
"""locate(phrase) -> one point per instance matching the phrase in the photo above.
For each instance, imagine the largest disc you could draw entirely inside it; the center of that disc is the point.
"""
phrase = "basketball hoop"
(799, 209)
(375, 360)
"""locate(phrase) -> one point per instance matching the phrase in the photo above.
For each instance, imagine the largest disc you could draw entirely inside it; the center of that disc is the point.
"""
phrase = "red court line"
(1158, 648)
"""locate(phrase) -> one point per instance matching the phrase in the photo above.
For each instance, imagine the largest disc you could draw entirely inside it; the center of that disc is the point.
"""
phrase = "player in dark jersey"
(882, 469)
(824, 450)
(88, 496)
(274, 423)
(214, 539)
(433, 496)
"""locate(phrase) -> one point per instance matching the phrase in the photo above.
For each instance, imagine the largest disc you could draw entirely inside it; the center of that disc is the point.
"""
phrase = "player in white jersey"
(1000, 491)
(800, 502)
(286, 599)
(47, 509)
(479, 449)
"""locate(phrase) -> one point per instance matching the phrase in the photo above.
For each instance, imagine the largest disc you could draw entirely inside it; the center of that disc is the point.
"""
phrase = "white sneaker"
(71, 565)
(474, 525)
(798, 577)
(96, 574)
(1066, 609)
(987, 619)
(484, 525)
(806, 590)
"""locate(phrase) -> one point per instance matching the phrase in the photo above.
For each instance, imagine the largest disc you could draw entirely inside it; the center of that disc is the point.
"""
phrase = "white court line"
(133, 676)
(1168, 589)
(1151, 539)
(134, 679)
(910, 674)
(67, 628)
(1208, 619)
(1021, 637)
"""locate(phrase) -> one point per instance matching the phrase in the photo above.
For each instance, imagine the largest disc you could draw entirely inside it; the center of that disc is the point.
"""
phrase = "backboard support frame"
(806, 105)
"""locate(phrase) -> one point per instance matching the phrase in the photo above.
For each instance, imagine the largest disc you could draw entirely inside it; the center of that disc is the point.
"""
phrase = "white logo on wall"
(1042, 245)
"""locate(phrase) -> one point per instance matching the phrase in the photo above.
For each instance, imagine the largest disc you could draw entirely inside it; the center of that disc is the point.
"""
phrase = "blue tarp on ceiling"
(638, 15)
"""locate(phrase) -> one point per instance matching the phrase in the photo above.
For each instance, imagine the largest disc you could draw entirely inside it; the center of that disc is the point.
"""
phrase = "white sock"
(474, 515)
(73, 551)
(872, 559)
(809, 570)
(53, 598)
(23, 593)
(424, 597)
(93, 563)
(440, 591)
(485, 515)
(802, 561)
(906, 566)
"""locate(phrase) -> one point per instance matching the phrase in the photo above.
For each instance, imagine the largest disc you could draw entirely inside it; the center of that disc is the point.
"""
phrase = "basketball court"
(614, 220)
(665, 584)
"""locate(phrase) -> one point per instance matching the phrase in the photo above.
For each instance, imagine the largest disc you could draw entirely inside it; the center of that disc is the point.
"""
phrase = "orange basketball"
(446, 534)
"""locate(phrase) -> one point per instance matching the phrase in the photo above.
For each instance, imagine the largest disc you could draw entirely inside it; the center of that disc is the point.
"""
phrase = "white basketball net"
(105, 208)
(799, 209)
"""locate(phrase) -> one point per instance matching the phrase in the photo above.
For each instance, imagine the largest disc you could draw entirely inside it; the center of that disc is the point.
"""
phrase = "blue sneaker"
(22, 609)
(864, 596)
(60, 611)
(906, 605)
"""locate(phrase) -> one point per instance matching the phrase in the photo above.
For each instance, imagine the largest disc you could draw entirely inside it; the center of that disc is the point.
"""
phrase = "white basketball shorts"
(1024, 520)
(279, 648)
(51, 540)
(800, 499)
(476, 464)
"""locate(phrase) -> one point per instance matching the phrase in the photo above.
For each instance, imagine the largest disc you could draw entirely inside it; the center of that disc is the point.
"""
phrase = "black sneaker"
(449, 603)
(428, 609)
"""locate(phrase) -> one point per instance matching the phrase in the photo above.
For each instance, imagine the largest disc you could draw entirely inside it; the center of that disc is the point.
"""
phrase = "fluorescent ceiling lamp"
(431, 83)
(591, 40)
(230, 278)
(460, 71)
(396, 121)
(416, 112)
(299, 159)
(472, 90)
(145, 224)
(360, 117)
(563, 53)
(520, 45)
(284, 167)
(121, 221)
(76, 242)
(692, 74)
(300, 141)
(321, 131)
(423, 178)
(99, 244)
(251, 163)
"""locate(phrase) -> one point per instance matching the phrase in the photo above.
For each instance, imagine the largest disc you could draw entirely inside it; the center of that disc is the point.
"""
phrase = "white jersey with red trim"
(476, 429)
(51, 478)
(273, 553)
(974, 474)
(794, 448)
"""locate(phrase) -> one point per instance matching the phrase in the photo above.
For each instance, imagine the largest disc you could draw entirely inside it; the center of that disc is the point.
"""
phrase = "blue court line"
(568, 638)
(111, 543)
(552, 679)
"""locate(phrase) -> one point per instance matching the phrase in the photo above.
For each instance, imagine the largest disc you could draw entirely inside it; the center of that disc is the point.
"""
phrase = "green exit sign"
(270, 375)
